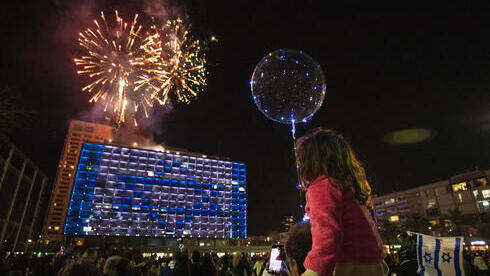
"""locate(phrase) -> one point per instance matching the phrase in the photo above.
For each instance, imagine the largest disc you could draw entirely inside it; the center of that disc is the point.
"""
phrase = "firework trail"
(178, 63)
(112, 64)
(129, 71)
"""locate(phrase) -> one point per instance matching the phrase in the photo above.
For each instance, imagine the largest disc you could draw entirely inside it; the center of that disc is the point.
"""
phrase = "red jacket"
(342, 230)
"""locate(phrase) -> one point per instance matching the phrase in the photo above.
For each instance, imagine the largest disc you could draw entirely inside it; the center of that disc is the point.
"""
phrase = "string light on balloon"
(288, 86)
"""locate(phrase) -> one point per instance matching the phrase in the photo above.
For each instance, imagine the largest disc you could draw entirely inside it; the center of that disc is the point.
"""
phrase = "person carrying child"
(345, 238)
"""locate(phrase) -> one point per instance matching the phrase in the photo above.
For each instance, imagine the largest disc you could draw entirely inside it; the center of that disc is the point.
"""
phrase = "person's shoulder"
(324, 184)
(323, 181)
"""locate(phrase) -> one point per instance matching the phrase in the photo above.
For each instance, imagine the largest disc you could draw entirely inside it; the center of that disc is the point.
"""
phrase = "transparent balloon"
(288, 86)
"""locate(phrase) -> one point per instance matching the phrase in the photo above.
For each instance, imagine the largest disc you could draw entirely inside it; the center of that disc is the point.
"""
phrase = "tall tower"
(78, 133)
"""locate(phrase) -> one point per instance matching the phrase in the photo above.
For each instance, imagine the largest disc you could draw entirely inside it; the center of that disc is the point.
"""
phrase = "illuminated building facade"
(78, 133)
(469, 193)
(124, 191)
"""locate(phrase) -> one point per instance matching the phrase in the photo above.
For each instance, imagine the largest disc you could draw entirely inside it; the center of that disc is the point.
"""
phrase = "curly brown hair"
(325, 152)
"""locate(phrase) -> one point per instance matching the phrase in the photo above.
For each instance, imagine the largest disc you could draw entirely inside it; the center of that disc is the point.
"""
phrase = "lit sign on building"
(121, 191)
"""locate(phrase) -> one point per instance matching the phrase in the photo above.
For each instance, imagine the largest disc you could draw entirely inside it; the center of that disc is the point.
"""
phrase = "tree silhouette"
(457, 219)
(11, 111)
(388, 231)
(417, 223)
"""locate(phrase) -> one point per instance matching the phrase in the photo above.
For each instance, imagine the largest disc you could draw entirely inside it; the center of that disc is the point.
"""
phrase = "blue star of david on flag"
(446, 257)
(439, 256)
(427, 257)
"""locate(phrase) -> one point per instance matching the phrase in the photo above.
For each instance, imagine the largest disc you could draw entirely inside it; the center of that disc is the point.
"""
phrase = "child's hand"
(310, 273)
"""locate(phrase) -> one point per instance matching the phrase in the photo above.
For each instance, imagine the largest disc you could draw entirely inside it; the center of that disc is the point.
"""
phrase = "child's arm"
(325, 211)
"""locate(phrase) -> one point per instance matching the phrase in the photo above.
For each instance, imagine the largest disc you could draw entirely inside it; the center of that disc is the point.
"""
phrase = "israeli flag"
(439, 256)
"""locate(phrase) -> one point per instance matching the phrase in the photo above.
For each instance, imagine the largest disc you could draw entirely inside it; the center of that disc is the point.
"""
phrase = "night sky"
(385, 71)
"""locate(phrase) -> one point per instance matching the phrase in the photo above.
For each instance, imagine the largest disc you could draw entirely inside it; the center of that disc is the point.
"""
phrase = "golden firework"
(113, 63)
(178, 63)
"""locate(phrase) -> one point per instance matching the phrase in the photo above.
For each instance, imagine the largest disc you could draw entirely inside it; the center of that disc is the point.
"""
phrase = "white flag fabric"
(438, 256)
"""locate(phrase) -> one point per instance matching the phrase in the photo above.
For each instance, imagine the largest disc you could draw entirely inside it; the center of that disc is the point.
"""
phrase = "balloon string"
(299, 187)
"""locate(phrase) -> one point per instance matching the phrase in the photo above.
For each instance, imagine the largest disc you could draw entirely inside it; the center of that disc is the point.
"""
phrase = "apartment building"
(468, 192)
(22, 200)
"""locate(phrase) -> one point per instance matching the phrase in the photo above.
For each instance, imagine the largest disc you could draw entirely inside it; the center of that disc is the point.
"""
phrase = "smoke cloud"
(163, 10)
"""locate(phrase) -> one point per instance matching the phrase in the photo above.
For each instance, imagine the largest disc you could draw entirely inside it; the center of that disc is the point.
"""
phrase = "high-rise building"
(78, 133)
(125, 191)
(469, 193)
(22, 198)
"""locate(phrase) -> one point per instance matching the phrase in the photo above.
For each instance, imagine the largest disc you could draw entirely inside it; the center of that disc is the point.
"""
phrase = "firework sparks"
(178, 63)
(112, 64)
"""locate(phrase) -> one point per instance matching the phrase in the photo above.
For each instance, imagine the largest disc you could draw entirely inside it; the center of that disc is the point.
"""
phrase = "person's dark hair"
(196, 256)
(207, 265)
(298, 244)
(325, 152)
(90, 253)
(182, 265)
(79, 269)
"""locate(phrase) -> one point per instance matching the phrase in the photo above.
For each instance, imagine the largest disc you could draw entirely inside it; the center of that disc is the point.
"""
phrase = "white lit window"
(394, 218)
(390, 201)
(431, 203)
(475, 193)
(460, 198)
(485, 193)
(459, 187)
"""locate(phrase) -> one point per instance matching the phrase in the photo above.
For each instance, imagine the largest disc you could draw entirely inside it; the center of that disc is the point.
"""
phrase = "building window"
(482, 181)
(485, 193)
(459, 187)
(431, 203)
(394, 218)
(483, 206)
(475, 193)
(403, 207)
(89, 129)
(432, 212)
(401, 198)
(378, 204)
(390, 201)
(77, 127)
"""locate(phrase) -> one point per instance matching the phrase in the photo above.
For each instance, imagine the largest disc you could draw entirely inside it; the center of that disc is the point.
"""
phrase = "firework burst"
(113, 63)
(178, 63)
